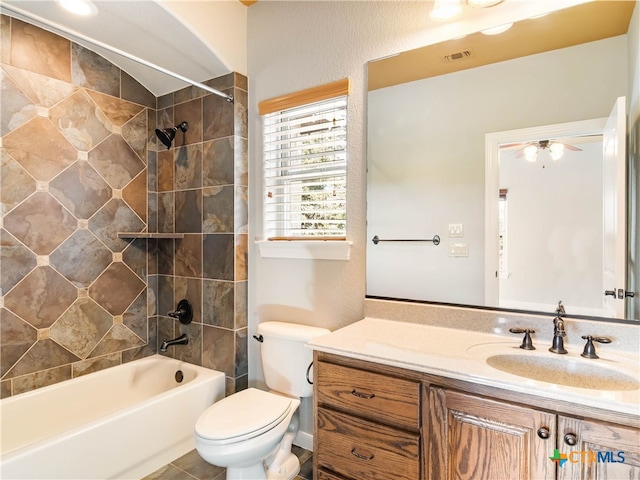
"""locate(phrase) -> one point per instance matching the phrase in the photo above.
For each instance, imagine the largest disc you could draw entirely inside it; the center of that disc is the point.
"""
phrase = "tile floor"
(192, 467)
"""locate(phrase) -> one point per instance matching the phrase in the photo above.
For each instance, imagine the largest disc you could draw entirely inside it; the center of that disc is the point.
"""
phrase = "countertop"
(462, 355)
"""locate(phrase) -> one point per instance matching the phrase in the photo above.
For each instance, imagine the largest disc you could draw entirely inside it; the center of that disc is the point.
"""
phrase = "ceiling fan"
(531, 149)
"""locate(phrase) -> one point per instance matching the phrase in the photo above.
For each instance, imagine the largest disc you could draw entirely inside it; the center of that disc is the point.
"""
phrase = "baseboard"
(304, 440)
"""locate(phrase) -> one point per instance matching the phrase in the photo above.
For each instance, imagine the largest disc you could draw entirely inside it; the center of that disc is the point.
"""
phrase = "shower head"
(166, 135)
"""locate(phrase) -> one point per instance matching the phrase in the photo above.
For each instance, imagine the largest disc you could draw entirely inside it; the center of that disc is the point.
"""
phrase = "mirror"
(430, 111)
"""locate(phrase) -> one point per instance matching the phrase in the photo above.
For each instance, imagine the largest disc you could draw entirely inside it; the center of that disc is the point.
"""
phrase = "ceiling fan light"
(497, 30)
(556, 150)
(445, 9)
(483, 3)
(531, 153)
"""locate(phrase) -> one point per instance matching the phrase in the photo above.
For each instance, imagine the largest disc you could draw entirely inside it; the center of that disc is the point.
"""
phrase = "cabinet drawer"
(360, 449)
(322, 475)
(372, 395)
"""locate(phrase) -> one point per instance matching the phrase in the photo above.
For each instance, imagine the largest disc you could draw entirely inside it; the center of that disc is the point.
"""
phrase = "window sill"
(305, 249)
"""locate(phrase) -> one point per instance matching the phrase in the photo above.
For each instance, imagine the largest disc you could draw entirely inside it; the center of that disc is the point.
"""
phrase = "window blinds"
(305, 167)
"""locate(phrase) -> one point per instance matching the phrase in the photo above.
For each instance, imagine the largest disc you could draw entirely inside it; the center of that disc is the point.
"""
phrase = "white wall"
(297, 45)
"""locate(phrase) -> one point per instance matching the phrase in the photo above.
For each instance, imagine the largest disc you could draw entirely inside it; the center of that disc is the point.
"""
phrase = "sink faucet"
(558, 331)
(181, 340)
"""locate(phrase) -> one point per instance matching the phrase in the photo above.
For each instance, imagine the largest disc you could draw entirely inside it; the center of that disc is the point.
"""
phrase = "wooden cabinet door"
(594, 450)
(476, 438)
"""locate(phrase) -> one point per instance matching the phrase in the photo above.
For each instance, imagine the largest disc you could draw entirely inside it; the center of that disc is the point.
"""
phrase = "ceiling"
(199, 39)
(579, 24)
(157, 32)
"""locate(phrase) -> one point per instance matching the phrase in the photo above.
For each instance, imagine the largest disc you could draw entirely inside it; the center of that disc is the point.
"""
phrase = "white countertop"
(461, 354)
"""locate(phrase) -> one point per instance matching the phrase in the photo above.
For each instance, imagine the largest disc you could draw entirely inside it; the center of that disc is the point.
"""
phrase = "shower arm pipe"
(59, 28)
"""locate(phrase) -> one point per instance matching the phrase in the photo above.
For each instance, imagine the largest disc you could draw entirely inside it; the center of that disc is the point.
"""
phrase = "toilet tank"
(285, 358)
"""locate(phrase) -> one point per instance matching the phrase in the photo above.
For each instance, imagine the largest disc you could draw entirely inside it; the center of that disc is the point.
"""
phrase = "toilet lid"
(242, 415)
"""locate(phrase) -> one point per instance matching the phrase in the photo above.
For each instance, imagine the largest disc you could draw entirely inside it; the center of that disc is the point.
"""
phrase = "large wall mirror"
(448, 130)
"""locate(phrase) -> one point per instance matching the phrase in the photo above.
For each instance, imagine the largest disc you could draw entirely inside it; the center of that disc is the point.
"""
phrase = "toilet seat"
(241, 416)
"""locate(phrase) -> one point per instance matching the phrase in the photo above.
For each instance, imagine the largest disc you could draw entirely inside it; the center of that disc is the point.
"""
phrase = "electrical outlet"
(458, 249)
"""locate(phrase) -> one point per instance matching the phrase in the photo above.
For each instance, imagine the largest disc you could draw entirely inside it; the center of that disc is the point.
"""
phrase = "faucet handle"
(589, 348)
(527, 344)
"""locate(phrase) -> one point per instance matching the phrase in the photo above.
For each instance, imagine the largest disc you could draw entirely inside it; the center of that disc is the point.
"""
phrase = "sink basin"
(563, 371)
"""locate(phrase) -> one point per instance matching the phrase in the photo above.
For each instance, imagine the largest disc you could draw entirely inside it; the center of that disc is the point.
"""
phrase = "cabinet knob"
(570, 439)
(360, 455)
(543, 433)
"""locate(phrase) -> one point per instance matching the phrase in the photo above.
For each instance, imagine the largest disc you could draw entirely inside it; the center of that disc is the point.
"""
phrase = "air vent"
(458, 56)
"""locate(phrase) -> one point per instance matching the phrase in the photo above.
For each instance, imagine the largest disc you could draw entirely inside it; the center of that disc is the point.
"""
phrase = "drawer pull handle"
(361, 456)
(366, 396)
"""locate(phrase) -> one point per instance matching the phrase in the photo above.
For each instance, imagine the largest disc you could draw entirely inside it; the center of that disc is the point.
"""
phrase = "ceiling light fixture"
(556, 150)
(84, 8)
(531, 153)
(483, 3)
(497, 30)
(445, 9)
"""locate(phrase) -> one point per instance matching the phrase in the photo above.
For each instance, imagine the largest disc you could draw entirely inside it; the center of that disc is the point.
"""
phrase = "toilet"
(251, 432)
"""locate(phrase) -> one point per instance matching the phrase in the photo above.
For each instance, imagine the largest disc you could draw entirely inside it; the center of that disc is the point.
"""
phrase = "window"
(305, 164)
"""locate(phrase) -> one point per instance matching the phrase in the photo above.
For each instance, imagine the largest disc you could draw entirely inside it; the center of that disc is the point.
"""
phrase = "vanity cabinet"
(376, 422)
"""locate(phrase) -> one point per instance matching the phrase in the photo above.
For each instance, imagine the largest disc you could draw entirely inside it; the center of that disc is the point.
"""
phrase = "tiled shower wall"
(79, 164)
(202, 193)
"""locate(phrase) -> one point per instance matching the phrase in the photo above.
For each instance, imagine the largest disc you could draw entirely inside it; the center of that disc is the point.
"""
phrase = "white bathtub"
(123, 422)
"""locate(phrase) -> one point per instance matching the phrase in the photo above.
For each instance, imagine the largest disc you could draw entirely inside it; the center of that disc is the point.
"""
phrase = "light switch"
(456, 230)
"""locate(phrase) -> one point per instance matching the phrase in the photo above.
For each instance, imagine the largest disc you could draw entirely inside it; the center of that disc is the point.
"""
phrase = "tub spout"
(181, 340)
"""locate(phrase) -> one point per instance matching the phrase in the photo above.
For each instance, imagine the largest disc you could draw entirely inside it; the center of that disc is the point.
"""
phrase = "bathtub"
(123, 422)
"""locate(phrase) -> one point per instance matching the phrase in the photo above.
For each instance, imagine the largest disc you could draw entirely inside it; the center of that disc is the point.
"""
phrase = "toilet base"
(252, 472)
(287, 469)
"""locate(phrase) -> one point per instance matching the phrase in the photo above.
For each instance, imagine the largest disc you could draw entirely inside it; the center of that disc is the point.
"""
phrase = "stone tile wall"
(202, 192)
(74, 172)
(79, 163)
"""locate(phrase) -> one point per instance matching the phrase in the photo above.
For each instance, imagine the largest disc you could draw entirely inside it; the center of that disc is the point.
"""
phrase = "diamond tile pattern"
(76, 170)
(82, 258)
(81, 327)
(73, 174)
(15, 183)
(16, 261)
(116, 288)
(114, 217)
(17, 107)
(40, 148)
(80, 121)
(41, 297)
(16, 337)
(116, 161)
(41, 223)
(80, 189)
